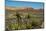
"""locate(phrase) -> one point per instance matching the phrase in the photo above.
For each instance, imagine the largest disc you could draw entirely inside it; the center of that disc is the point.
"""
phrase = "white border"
(2, 15)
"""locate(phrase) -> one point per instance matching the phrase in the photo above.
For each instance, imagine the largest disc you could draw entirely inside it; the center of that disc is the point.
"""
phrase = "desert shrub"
(22, 26)
(29, 26)
(16, 26)
(36, 23)
(13, 26)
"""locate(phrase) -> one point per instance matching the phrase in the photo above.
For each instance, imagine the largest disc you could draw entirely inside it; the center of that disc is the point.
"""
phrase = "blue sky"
(24, 4)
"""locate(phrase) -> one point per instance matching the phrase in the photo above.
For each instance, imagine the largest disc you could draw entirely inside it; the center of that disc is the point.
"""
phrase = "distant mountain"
(24, 9)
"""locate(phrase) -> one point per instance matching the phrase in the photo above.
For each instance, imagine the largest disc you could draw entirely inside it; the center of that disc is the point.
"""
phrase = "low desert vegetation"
(20, 21)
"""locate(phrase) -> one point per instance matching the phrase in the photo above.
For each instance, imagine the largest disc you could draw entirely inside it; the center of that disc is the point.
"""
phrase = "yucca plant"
(28, 22)
(18, 17)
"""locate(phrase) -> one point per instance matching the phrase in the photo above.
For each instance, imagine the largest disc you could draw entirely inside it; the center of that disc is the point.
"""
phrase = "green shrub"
(22, 26)
(29, 26)
(13, 26)
(36, 23)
